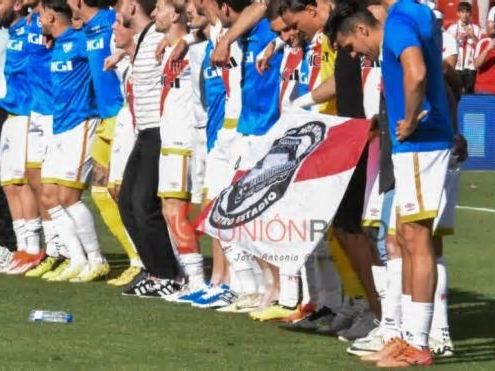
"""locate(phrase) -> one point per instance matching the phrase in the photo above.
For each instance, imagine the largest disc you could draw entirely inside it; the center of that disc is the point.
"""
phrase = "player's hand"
(460, 149)
(405, 128)
(160, 49)
(220, 55)
(179, 51)
(110, 63)
(262, 62)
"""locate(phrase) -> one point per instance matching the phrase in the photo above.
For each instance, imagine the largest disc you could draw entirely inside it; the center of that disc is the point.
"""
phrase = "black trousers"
(468, 78)
(140, 207)
(7, 236)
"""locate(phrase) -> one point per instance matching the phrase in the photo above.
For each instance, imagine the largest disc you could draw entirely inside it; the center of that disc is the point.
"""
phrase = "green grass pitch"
(111, 332)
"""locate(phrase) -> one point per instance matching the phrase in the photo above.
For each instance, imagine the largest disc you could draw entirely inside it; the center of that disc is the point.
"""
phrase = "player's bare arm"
(414, 90)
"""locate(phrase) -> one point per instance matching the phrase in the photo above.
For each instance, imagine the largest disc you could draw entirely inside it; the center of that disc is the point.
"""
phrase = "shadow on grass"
(472, 325)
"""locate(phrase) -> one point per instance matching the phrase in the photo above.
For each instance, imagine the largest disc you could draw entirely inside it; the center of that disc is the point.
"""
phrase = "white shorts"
(445, 221)
(122, 145)
(40, 129)
(175, 158)
(419, 183)
(218, 163)
(373, 206)
(13, 145)
(198, 165)
(68, 160)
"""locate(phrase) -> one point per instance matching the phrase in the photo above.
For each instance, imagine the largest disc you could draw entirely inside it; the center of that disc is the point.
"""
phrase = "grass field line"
(484, 209)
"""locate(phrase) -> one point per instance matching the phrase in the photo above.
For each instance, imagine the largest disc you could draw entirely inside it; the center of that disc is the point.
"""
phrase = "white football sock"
(19, 230)
(51, 238)
(419, 325)
(306, 296)
(379, 274)
(405, 321)
(193, 266)
(240, 262)
(289, 290)
(391, 305)
(440, 321)
(66, 229)
(86, 231)
(32, 235)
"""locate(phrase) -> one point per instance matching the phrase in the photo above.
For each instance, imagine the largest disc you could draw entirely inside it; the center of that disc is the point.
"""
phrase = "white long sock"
(66, 229)
(289, 290)
(193, 266)
(32, 230)
(440, 321)
(51, 238)
(306, 296)
(240, 263)
(391, 306)
(86, 231)
(19, 230)
(405, 322)
(420, 324)
(379, 274)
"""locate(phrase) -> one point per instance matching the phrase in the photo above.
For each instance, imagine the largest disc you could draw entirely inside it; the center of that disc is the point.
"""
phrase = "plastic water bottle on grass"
(50, 316)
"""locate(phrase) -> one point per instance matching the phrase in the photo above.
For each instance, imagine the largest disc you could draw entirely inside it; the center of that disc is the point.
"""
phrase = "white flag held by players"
(280, 209)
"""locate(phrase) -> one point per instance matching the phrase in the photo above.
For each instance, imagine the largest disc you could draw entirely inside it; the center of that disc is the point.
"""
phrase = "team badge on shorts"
(267, 182)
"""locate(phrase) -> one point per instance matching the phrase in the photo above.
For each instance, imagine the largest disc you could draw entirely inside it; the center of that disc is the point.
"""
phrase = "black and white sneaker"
(162, 289)
(140, 288)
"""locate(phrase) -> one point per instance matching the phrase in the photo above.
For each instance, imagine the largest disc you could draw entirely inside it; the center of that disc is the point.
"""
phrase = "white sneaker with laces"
(5, 258)
(371, 343)
(441, 346)
(244, 304)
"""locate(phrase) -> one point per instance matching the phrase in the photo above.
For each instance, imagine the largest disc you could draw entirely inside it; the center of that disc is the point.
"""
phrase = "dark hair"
(295, 5)
(237, 5)
(102, 4)
(147, 6)
(464, 6)
(59, 6)
(345, 16)
(273, 9)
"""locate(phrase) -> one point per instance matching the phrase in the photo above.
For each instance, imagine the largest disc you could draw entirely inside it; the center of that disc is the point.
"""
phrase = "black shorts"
(350, 212)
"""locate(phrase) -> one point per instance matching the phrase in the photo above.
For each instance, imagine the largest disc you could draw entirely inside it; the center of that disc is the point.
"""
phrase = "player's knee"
(49, 198)
(171, 210)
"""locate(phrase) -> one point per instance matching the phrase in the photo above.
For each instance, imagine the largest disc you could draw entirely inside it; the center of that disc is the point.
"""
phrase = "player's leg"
(175, 191)
(13, 159)
(420, 179)
(244, 265)
(100, 153)
(439, 339)
(141, 211)
(7, 237)
(220, 280)
(347, 228)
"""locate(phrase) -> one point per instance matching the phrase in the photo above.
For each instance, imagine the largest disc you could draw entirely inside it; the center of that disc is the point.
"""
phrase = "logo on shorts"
(267, 182)
(410, 207)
